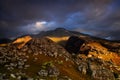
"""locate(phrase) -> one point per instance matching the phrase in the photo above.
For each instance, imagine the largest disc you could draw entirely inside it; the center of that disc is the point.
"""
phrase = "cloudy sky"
(100, 18)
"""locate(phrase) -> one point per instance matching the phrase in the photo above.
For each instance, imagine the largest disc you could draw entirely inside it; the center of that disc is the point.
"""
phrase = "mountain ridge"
(59, 32)
(62, 35)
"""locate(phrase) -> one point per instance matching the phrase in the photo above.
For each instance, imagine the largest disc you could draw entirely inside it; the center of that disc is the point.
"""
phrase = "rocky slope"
(29, 58)
(38, 58)
(91, 48)
(94, 59)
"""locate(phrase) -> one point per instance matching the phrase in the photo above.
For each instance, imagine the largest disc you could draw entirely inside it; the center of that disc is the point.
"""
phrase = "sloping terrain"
(94, 57)
(40, 57)
(101, 52)
(37, 59)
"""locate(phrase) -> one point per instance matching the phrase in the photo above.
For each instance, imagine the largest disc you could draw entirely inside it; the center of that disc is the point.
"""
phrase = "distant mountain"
(62, 32)
(58, 32)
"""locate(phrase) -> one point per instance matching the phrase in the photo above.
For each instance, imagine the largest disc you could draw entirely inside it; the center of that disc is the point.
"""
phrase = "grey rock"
(53, 71)
(83, 67)
(43, 72)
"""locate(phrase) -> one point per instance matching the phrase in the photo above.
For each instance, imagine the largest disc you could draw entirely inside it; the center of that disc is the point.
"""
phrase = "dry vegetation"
(59, 39)
(22, 41)
(101, 52)
(3, 45)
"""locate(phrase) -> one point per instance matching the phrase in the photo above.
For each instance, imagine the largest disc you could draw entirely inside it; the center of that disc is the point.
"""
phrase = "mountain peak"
(63, 29)
(58, 32)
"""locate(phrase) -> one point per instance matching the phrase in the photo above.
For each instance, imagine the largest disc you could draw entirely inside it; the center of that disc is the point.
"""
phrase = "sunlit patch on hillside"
(3, 45)
(22, 41)
(58, 39)
(101, 52)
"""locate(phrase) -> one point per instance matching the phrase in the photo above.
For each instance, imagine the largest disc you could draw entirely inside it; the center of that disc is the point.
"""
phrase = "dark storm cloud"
(95, 17)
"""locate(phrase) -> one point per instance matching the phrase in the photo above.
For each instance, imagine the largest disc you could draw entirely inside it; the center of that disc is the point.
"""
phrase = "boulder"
(73, 44)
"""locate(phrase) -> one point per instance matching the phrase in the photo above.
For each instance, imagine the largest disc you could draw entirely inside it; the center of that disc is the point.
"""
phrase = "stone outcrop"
(73, 44)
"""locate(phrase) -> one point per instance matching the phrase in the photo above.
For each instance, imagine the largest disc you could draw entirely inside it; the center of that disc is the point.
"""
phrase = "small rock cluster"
(49, 71)
(11, 59)
(14, 76)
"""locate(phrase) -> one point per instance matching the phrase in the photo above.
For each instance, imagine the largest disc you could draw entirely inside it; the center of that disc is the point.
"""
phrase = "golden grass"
(104, 53)
(22, 40)
(58, 39)
(3, 45)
